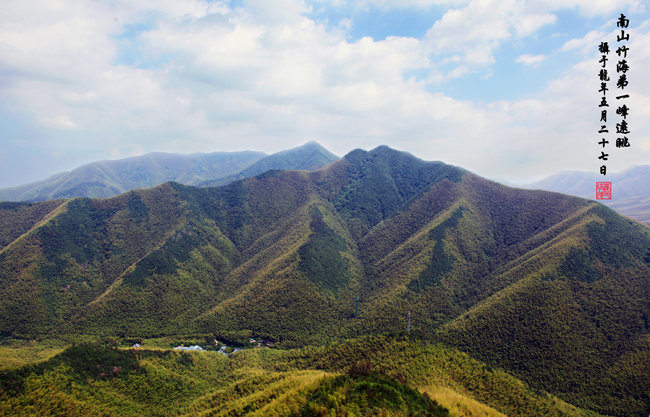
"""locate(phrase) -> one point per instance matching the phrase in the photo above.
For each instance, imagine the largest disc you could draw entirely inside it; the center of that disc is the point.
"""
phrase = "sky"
(507, 89)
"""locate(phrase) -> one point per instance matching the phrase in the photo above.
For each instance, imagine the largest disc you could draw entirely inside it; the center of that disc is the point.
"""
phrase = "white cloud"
(392, 4)
(278, 11)
(268, 79)
(478, 29)
(528, 24)
(59, 42)
(587, 44)
(346, 23)
(557, 128)
(60, 122)
(590, 8)
(530, 60)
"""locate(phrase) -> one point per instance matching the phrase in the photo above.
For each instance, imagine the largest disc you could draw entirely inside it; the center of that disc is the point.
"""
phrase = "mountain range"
(630, 189)
(549, 287)
(109, 178)
(307, 157)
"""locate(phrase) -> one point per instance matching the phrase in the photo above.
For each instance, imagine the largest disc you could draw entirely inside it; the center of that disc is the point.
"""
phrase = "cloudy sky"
(505, 88)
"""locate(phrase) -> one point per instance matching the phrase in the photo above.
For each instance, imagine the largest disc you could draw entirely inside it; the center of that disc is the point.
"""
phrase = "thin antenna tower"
(408, 323)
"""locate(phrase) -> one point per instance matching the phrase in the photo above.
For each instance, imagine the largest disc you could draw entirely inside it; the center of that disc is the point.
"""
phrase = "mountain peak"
(391, 155)
(384, 181)
(112, 177)
(380, 151)
(309, 156)
(311, 146)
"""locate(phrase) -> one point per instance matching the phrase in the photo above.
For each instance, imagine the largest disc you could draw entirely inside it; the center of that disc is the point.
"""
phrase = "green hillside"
(554, 289)
(367, 377)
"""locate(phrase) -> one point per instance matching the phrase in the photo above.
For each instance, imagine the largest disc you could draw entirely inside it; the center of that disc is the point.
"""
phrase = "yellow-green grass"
(259, 393)
(20, 353)
(460, 405)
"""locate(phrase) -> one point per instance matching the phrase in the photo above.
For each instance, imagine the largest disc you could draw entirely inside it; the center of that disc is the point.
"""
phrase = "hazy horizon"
(500, 180)
(504, 89)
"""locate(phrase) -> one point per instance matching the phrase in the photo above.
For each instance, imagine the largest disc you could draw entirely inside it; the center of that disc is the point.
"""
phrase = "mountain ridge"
(283, 256)
(112, 177)
(308, 157)
(630, 191)
(103, 179)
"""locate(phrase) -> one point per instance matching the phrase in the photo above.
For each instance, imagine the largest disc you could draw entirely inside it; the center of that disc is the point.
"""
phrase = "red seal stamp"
(603, 190)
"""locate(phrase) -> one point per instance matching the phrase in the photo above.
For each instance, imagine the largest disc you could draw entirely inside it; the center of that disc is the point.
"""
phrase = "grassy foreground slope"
(370, 376)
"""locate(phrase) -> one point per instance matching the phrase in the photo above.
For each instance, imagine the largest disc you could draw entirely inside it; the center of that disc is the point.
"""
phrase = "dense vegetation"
(370, 376)
(320, 258)
(551, 288)
(368, 395)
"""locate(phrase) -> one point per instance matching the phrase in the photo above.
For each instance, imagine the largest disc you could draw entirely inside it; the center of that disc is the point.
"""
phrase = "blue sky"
(506, 88)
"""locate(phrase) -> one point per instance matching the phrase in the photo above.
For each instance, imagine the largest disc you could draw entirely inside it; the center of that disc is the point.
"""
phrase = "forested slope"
(553, 288)
(367, 377)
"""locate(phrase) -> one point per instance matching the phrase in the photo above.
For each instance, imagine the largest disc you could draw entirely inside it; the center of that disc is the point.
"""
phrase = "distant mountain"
(110, 178)
(308, 157)
(637, 208)
(630, 189)
(552, 288)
